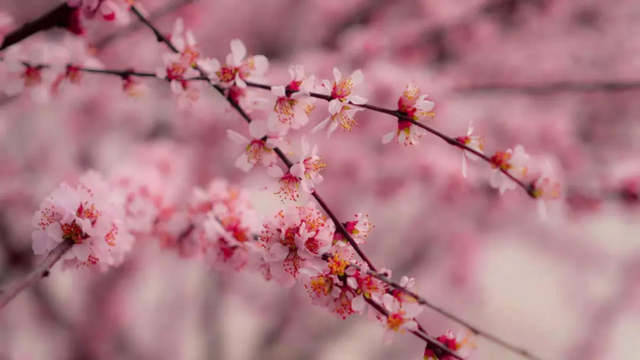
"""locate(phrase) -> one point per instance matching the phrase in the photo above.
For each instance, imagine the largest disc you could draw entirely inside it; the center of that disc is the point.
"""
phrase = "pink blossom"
(343, 89)
(358, 228)
(292, 111)
(339, 115)
(401, 316)
(25, 73)
(109, 10)
(89, 215)
(185, 42)
(237, 67)
(258, 150)
(514, 162)
(296, 239)
(415, 107)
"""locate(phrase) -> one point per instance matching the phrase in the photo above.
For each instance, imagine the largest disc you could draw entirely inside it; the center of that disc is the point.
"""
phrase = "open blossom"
(418, 108)
(23, 72)
(109, 10)
(475, 143)
(71, 57)
(308, 168)
(237, 67)
(343, 89)
(292, 111)
(287, 185)
(258, 151)
(90, 216)
(185, 42)
(358, 228)
(460, 343)
(341, 115)
(401, 316)
(177, 70)
(366, 287)
(296, 239)
(512, 161)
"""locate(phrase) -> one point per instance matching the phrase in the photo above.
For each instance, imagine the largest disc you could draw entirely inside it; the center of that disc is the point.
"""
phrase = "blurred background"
(562, 78)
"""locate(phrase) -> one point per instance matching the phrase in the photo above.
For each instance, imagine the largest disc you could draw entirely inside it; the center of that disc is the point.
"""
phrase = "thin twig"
(10, 291)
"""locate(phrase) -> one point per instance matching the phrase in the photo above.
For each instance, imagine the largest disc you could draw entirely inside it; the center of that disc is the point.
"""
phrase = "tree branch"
(56, 17)
(10, 291)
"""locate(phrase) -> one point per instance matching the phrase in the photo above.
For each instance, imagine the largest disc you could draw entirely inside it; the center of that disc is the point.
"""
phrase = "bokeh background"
(555, 76)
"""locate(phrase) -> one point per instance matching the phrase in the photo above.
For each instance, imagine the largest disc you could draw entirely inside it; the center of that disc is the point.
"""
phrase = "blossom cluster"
(89, 215)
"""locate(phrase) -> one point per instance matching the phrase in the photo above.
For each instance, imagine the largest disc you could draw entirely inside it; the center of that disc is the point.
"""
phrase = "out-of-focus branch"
(548, 88)
(359, 17)
(58, 16)
(10, 291)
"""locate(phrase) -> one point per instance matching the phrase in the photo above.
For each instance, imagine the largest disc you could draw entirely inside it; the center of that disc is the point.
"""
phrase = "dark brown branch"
(56, 17)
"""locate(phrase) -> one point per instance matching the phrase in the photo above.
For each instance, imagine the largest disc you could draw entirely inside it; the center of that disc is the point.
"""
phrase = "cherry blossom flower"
(512, 161)
(287, 185)
(258, 150)
(366, 286)
(90, 216)
(296, 239)
(343, 89)
(109, 10)
(73, 56)
(547, 187)
(177, 70)
(25, 73)
(401, 316)
(339, 115)
(237, 67)
(292, 111)
(185, 42)
(308, 168)
(358, 228)
(475, 143)
(460, 343)
(415, 107)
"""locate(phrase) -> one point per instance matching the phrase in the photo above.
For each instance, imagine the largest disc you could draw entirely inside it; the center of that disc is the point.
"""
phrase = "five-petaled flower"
(237, 67)
(292, 110)
(400, 316)
(258, 150)
(513, 162)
